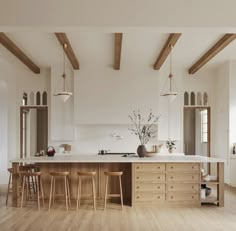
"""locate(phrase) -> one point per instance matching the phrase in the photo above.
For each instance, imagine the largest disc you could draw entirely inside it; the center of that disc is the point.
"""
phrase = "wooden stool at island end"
(79, 195)
(9, 188)
(113, 174)
(52, 195)
(26, 186)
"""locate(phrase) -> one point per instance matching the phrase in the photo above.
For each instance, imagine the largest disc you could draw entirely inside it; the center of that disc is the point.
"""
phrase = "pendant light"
(64, 95)
(169, 88)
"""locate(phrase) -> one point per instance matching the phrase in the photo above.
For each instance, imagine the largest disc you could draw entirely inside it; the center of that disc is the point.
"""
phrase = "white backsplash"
(91, 138)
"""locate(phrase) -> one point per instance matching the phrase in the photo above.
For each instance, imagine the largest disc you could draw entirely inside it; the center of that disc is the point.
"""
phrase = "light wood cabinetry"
(166, 184)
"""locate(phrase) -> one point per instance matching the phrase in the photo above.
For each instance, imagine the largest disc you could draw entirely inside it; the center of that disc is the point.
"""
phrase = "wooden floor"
(208, 217)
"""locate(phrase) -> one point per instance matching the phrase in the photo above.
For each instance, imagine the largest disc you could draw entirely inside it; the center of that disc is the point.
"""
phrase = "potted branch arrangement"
(145, 129)
(170, 144)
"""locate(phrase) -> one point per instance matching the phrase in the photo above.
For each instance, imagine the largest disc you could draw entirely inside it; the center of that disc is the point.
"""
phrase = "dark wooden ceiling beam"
(118, 46)
(171, 41)
(16, 51)
(212, 52)
(62, 38)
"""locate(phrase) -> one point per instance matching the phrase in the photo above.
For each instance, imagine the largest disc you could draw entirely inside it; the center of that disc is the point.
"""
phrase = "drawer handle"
(158, 187)
(137, 187)
(192, 177)
(158, 177)
(171, 167)
(137, 197)
(171, 177)
(158, 197)
(171, 197)
(137, 177)
(192, 167)
(158, 167)
(192, 197)
(137, 167)
(192, 187)
(171, 187)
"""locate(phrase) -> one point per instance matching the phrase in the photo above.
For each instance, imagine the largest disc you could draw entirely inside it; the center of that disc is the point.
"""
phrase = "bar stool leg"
(68, 190)
(94, 193)
(50, 196)
(78, 195)
(53, 190)
(41, 189)
(66, 196)
(37, 187)
(8, 188)
(121, 193)
(22, 192)
(105, 199)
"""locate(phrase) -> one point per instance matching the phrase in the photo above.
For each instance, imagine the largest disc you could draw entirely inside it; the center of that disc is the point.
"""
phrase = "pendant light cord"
(64, 68)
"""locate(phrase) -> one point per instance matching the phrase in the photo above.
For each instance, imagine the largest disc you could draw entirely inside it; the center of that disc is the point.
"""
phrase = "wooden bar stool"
(79, 195)
(26, 186)
(117, 174)
(9, 187)
(66, 186)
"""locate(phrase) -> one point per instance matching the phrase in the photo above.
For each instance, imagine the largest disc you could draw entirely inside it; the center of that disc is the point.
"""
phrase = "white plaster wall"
(18, 81)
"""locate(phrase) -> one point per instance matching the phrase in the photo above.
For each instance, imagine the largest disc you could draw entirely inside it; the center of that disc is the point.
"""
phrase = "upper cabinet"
(107, 96)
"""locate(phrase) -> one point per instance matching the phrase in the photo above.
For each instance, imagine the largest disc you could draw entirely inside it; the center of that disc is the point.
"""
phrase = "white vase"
(171, 150)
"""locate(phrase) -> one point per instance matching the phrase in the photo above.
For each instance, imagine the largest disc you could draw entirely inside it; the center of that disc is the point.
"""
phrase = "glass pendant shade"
(64, 95)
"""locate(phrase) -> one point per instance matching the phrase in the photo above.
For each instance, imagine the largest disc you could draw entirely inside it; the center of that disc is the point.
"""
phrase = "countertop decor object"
(170, 144)
(51, 151)
(145, 129)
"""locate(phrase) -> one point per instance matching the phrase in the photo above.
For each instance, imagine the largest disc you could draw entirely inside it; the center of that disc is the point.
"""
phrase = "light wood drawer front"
(150, 177)
(151, 197)
(150, 167)
(183, 187)
(182, 197)
(183, 177)
(179, 167)
(149, 187)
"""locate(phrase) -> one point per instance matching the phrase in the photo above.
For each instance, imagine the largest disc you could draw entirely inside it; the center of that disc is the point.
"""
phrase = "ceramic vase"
(141, 150)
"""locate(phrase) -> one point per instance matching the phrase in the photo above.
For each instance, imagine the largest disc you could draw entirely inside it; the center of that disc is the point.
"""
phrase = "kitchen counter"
(168, 180)
(92, 158)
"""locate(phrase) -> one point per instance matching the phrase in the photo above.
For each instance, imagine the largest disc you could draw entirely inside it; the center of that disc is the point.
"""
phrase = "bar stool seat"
(79, 195)
(52, 195)
(26, 186)
(113, 174)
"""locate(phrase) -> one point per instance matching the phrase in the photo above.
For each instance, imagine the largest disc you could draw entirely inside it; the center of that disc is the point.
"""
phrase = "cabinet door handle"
(137, 197)
(171, 177)
(137, 167)
(192, 187)
(171, 197)
(137, 187)
(192, 177)
(158, 197)
(158, 177)
(171, 167)
(171, 187)
(137, 177)
(158, 167)
(158, 187)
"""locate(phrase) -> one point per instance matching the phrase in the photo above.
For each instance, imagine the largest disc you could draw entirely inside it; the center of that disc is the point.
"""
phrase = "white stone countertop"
(95, 158)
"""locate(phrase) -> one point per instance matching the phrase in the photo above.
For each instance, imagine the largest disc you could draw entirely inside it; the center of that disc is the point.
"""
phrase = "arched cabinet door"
(192, 99)
(205, 99)
(45, 98)
(199, 98)
(38, 98)
(186, 99)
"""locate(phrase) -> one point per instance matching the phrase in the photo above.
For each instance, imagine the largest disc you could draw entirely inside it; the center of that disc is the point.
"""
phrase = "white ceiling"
(96, 49)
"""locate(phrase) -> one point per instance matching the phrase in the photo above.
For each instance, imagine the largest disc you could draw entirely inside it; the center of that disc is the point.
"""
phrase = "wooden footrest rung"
(113, 195)
(86, 195)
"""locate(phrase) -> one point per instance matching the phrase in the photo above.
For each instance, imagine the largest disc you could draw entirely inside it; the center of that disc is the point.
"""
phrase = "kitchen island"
(164, 180)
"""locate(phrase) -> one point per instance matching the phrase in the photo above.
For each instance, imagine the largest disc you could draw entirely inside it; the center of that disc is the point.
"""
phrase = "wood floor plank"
(207, 217)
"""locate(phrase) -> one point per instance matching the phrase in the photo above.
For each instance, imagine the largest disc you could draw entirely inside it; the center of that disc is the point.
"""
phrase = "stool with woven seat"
(52, 195)
(79, 195)
(26, 186)
(113, 174)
